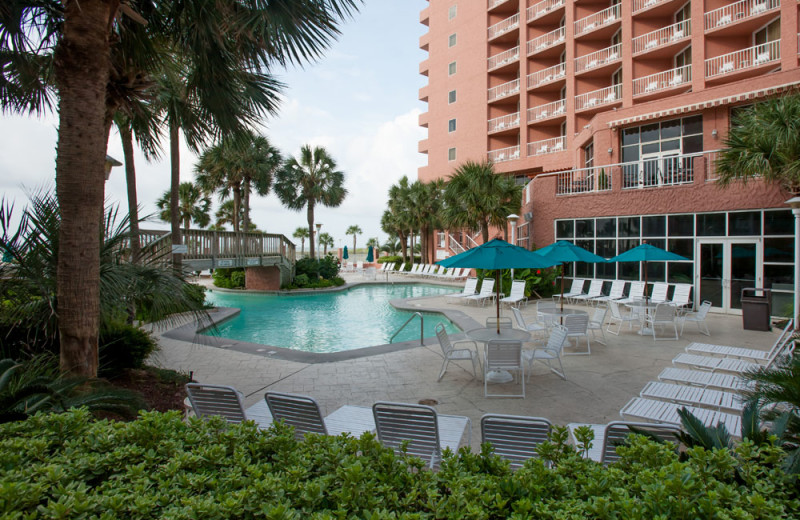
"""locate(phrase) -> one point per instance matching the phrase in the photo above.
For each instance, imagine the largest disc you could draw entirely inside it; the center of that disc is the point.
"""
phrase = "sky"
(359, 101)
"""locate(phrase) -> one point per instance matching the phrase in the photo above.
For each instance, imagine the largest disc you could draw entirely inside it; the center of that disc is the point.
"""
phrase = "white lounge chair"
(304, 415)
(452, 353)
(517, 296)
(578, 327)
(681, 296)
(575, 289)
(359, 266)
(220, 400)
(698, 317)
(662, 316)
(749, 354)
(532, 327)
(616, 433)
(550, 352)
(427, 432)
(616, 292)
(705, 379)
(664, 412)
(514, 437)
(635, 294)
(659, 294)
(733, 365)
(487, 292)
(729, 402)
(469, 290)
(595, 290)
(503, 355)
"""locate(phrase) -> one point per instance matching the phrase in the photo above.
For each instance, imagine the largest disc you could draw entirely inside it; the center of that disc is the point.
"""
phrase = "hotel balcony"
(424, 40)
(423, 119)
(503, 154)
(546, 146)
(740, 18)
(504, 123)
(607, 18)
(552, 40)
(424, 65)
(423, 94)
(501, 5)
(544, 8)
(598, 62)
(547, 112)
(503, 60)
(425, 16)
(597, 99)
(662, 84)
(663, 42)
(423, 147)
(506, 29)
(656, 8)
(744, 63)
(506, 90)
(549, 76)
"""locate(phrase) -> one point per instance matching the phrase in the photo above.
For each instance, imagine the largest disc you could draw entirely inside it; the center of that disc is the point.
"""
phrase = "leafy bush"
(162, 467)
(539, 280)
(328, 267)
(301, 280)
(238, 279)
(307, 266)
(311, 273)
(123, 346)
(225, 279)
(390, 259)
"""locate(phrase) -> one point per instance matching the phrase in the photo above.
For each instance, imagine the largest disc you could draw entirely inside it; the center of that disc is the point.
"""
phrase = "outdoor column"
(794, 202)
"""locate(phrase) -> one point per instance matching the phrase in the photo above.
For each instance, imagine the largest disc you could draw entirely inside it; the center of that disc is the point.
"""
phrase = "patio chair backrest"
(505, 322)
(545, 304)
(487, 287)
(614, 308)
(599, 315)
(396, 423)
(576, 323)
(415, 268)
(637, 290)
(577, 286)
(595, 288)
(518, 289)
(514, 437)
(470, 285)
(518, 317)
(702, 311)
(617, 432)
(558, 336)
(503, 355)
(617, 289)
(787, 332)
(444, 339)
(210, 400)
(682, 293)
(299, 411)
(659, 291)
(664, 312)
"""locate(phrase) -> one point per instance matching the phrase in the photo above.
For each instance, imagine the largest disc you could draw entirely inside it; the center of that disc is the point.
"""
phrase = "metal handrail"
(421, 328)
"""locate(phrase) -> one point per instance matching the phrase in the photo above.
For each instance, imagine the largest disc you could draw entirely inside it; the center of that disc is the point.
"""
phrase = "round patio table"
(485, 335)
(642, 309)
(557, 312)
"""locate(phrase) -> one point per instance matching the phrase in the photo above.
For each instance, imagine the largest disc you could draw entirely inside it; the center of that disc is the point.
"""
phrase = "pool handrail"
(421, 328)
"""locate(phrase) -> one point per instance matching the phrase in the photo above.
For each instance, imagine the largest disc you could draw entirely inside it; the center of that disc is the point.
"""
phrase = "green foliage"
(328, 267)
(539, 280)
(390, 259)
(123, 346)
(229, 278)
(311, 273)
(307, 266)
(162, 467)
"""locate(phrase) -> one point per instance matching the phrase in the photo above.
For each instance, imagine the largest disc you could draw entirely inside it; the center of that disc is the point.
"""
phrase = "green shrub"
(301, 280)
(159, 466)
(237, 279)
(389, 259)
(328, 267)
(307, 266)
(123, 346)
(225, 279)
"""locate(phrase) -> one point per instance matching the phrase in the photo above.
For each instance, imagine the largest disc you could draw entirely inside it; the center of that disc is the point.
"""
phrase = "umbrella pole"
(497, 297)
(562, 294)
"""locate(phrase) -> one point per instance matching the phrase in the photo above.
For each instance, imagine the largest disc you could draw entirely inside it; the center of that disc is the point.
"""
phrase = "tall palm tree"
(764, 141)
(193, 206)
(302, 234)
(400, 210)
(425, 203)
(326, 241)
(225, 215)
(310, 180)
(476, 198)
(353, 230)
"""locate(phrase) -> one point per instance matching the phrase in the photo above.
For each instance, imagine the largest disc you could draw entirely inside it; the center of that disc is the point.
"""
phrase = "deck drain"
(429, 402)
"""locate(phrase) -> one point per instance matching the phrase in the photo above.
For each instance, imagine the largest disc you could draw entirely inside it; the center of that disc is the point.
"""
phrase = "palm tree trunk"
(175, 211)
(237, 204)
(310, 218)
(354, 243)
(126, 136)
(403, 245)
(81, 69)
(246, 204)
(485, 231)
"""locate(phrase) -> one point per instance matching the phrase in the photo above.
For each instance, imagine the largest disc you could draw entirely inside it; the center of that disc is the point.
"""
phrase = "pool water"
(328, 321)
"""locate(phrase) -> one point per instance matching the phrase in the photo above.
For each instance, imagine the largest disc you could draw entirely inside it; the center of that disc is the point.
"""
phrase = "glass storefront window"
(565, 229)
(606, 228)
(654, 226)
(630, 136)
(779, 250)
(671, 129)
(650, 133)
(778, 223)
(584, 228)
(656, 272)
(681, 246)
(679, 272)
(628, 227)
(711, 224)
(681, 225)
(693, 125)
(744, 223)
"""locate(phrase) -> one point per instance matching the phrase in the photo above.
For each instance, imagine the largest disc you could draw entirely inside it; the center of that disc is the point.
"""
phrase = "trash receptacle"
(756, 308)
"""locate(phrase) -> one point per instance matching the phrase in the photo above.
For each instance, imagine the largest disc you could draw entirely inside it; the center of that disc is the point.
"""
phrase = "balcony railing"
(743, 59)
(661, 37)
(504, 154)
(495, 3)
(498, 124)
(599, 58)
(504, 90)
(585, 180)
(547, 75)
(641, 5)
(556, 144)
(603, 96)
(503, 58)
(662, 80)
(739, 11)
(660, 171)
(542, 8)
(546, 41)
(509, 24)
(599, 19)
(550, 110)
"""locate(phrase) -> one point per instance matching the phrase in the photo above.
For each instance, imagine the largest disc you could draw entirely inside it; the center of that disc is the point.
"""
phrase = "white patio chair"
(532, 327)
(427, 432)
(578, 327)
(575, 289)
(635, 294)
(750, 354)
(359, 266)
(303, 413)
(503, 355)
(663, 316)
(451, 353)
(698, 317)
(514, 437)
(517, 296)
(503, 322)
(619, 318)
(659, 294)
(597, 321)
(725, 401)
(595, 290)
(469, 290)
(487, 293)
(550, 352)
(544, 317)
(664, 412)
(224, 401)
(616, 433)
(615, 293)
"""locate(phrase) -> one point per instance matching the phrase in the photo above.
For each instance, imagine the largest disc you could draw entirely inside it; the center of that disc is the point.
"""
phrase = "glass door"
(657, 168)
(726, 266)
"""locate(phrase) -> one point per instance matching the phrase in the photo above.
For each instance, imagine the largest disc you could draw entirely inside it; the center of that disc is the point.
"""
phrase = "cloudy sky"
(359, 102)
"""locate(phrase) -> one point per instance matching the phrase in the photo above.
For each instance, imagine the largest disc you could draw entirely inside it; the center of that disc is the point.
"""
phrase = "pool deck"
(598, 386)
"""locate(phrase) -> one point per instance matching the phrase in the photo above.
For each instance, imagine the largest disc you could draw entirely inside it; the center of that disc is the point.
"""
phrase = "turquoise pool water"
(327, 322)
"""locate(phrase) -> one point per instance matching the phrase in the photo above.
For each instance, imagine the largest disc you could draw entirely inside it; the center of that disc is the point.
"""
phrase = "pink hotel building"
(611, 114)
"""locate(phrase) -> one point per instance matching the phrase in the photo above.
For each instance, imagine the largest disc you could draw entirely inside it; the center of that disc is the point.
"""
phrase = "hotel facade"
(611, 115)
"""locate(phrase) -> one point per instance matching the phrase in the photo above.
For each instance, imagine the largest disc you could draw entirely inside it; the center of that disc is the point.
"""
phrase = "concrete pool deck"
(598, 386)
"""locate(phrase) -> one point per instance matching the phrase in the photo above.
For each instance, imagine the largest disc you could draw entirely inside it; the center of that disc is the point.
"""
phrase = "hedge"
(69, 466)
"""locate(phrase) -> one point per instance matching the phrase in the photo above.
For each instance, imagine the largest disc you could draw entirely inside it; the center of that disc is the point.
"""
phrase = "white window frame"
(452, 68)
(452, 40)
(451, 154)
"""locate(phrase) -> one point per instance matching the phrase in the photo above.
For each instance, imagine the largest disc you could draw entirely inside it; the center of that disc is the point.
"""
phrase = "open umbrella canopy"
(647, 253)
(563, 251)
(344, 253)
(498, 254)
(370, 255)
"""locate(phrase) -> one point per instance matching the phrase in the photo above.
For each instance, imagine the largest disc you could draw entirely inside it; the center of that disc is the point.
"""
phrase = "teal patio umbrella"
(370, 255)
(646, 253)
(497, 254)
(345, 256)
(565, 252)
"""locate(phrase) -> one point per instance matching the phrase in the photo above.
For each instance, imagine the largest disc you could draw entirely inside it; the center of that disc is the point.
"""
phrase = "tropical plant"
(476, 198)
(302, 234)
(374, 242)
(308, 181)
(225, 215)
(425, 202)
(764, 141)
(326, 241)
(353, 230)
(397, 219)
(193, 206)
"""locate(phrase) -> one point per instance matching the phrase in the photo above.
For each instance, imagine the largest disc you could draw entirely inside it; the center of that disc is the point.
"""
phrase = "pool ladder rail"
(421, 327)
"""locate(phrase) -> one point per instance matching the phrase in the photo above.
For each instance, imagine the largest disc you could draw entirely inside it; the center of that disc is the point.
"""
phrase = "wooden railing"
(202, 244)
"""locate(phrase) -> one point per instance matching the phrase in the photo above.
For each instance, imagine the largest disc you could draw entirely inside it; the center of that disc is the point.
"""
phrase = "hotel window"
(451, 154)
(684, 57)
(769, 33)
(681, 136)
(617, 38)
(451, 42)
(451, 68)
(452, 12)
(451, 97)
(451, 125)
(684, 13)
(588, 156)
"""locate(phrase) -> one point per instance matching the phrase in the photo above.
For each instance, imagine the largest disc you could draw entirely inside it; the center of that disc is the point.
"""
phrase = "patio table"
(485, 335)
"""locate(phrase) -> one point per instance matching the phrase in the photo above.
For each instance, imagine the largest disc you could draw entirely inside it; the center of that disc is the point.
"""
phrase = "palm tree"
(353, 230)
(326, 241)
(374, 242)
(302, 234)
(764, 141)
(425, 203)
(193, 206)
(399, 220)
(311, 180)
(225, 215)
(476, 198)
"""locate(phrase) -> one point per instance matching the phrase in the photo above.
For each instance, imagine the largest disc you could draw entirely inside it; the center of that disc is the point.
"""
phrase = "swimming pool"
(327, 321)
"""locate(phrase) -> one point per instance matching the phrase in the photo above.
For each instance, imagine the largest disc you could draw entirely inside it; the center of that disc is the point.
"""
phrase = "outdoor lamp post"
(794, 202)
(512, 219)
(318, 225)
